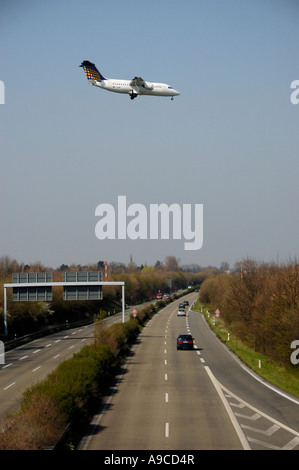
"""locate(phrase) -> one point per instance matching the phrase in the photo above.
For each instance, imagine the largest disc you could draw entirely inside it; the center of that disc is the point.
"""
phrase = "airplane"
(136, 86)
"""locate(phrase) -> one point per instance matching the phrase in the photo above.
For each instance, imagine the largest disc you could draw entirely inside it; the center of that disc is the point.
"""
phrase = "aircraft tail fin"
(91, 71)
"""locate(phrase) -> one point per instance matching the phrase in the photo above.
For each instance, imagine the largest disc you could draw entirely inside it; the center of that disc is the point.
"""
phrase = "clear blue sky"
(229, 141)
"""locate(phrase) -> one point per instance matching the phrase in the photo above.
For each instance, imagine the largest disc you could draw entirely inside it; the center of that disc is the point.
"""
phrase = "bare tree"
(171, 263)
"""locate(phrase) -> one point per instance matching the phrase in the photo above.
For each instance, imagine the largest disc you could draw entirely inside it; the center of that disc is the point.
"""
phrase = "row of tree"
(260, 305)
(140, 285)
(9, 265)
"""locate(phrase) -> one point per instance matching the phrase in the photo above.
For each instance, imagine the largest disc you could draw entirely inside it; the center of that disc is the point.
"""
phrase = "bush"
(50, 405)
(117, 336)
(74, 382)
(35, 428)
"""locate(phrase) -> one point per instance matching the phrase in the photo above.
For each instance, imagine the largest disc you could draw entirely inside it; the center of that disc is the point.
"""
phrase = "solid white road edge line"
(281, 425)
(250, 372)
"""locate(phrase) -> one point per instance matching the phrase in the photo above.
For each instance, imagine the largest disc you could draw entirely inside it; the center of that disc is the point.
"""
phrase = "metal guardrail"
(13, 343)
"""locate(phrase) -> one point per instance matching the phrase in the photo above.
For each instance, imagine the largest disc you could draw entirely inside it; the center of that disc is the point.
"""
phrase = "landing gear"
(133, 95)
(172, 98)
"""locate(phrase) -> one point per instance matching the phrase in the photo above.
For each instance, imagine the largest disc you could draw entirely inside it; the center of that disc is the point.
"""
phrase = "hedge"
(49, 406)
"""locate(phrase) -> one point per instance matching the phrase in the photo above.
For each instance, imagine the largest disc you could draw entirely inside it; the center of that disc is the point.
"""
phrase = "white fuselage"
(124, 86)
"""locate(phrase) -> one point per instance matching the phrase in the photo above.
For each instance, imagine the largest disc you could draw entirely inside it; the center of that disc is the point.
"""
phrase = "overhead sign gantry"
(30, 287)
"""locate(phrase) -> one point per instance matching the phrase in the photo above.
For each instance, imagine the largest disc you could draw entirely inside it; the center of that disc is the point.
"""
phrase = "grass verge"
(285, 378)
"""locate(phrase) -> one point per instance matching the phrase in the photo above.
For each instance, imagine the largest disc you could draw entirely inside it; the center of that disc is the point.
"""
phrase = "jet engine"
(148, 86)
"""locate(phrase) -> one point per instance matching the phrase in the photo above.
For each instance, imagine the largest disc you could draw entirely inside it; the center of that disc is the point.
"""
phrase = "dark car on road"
(184, 341)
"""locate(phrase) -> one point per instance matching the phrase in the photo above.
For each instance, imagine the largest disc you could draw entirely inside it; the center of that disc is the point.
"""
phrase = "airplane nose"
(177, 93)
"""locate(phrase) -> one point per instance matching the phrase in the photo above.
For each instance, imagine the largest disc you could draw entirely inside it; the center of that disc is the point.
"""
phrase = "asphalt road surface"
(165, 399)
(26, 365)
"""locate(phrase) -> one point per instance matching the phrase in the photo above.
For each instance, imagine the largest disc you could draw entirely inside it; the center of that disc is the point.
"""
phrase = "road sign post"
(134, 313)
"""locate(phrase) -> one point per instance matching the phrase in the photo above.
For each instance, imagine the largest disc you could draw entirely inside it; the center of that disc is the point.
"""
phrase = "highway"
(32, 362)
(164, 399)
(26, 365)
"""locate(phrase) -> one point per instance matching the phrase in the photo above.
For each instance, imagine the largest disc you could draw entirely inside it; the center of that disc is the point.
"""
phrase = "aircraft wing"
(137, 81)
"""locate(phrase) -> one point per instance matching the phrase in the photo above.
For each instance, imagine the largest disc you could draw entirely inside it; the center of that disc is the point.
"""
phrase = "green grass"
(285, 378)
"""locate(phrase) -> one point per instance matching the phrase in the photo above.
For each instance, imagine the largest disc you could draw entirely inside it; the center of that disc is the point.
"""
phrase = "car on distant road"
(167, 295)
(181, 312)
(182, 305)
(184, 341)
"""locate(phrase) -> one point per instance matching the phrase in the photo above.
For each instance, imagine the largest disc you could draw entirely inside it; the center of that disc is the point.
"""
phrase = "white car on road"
(181, 312)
